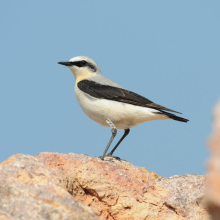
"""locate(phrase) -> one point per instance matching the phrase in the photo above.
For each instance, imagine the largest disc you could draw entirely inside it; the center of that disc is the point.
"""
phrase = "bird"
(111, 105)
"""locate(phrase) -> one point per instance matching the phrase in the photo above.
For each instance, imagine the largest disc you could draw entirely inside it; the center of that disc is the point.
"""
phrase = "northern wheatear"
(109, 104)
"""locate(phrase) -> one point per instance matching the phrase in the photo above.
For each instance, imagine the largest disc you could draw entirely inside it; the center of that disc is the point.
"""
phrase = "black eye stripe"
(77, 63)
(83, 63)
(91, 67)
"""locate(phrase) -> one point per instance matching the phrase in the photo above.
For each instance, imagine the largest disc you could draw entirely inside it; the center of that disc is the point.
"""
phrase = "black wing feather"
(118, 94)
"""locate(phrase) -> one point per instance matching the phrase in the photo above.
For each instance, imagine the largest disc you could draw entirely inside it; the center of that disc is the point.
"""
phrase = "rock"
(213, 183)
(31, 190)
(186, 195)
(67, 186)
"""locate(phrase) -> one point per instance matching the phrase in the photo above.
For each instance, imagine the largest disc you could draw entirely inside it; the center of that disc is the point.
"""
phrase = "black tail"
(174, 117)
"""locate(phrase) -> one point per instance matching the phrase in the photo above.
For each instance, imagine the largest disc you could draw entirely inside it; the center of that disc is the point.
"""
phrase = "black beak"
(65, 63)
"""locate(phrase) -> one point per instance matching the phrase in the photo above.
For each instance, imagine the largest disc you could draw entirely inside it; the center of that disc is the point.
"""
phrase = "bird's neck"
(82, 75)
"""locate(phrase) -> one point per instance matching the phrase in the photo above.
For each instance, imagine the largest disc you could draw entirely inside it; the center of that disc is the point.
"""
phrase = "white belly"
(123, 115)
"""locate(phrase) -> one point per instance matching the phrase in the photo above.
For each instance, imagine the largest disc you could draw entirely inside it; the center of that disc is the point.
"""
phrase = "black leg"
(125, 134)
(114, 132)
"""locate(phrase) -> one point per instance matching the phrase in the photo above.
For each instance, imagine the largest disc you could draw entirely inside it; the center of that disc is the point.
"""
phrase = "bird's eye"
(83, 63)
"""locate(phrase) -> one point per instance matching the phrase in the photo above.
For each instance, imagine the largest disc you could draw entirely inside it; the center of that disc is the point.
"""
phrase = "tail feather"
(174, 117)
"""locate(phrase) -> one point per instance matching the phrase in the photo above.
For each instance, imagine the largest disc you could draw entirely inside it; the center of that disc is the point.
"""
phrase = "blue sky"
(167, 51)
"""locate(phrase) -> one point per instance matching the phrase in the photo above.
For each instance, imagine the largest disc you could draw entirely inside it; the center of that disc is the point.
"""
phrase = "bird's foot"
(111, 157)
(117, 158)
(101, 157)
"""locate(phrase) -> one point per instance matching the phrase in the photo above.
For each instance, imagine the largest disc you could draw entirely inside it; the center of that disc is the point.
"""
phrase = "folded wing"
(118, 94)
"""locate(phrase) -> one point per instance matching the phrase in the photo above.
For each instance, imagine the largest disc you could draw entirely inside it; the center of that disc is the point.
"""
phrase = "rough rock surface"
(48, 185)
(213, 183)
(30, 190)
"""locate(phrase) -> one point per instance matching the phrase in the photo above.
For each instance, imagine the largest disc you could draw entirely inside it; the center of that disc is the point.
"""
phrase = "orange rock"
(113, 189)
(213, 183)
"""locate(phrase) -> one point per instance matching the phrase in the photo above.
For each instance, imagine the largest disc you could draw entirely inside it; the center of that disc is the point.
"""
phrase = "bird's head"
(82, 67)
